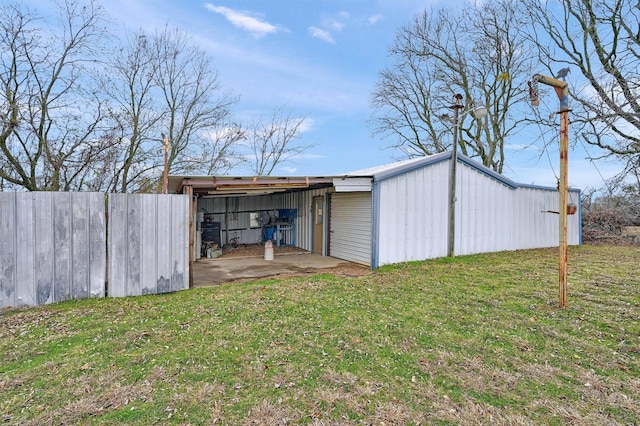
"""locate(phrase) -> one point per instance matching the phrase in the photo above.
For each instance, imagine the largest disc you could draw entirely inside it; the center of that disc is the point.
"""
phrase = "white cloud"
(332, 24)
(321, 34)
(329, 26)
(372, 20)
(289, 170)
(307, 125)
(244, 21)
(336, 23)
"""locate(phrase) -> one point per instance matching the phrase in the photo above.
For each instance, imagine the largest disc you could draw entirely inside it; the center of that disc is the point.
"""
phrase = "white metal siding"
(412, 215)
(491, 216)
(534, 224)
(303, 201)
(483, 213)
(350, 223)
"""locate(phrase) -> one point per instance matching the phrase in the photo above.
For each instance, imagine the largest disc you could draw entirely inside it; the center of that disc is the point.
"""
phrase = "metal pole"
(165, 173)
(452, 178)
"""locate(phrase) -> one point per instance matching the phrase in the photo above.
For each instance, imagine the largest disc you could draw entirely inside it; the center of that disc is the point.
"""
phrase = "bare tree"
(47, 139)
(165, 84)
(129, 83)
(221, 152)
(274, 141)
(63, 126)
(194, 108)
(597, 43)
(477, 52)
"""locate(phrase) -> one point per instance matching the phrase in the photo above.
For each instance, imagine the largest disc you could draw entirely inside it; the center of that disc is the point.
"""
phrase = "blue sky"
(320, 59)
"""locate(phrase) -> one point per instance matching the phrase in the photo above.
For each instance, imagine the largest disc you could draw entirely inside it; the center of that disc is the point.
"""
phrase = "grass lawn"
(470, 340)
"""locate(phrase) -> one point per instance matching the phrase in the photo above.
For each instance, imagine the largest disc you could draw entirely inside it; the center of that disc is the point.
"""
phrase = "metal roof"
(399, 167)
(213, 186)
(225, 186)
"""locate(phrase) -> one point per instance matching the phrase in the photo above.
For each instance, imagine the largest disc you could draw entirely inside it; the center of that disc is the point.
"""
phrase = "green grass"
(469, 340)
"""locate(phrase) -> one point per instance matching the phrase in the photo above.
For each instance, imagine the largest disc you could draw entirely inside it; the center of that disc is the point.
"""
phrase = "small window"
(319, 213)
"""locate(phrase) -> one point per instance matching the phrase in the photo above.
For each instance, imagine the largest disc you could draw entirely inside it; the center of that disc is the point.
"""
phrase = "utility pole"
(479, 112)
(456, 107)
(165, 173)
(562, 90)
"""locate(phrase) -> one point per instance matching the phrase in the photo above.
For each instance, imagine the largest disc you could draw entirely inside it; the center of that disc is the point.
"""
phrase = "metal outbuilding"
(388, 214)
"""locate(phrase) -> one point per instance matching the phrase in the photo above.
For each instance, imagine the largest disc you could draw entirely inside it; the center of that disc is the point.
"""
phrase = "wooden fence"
(53, 246)
(148, 244)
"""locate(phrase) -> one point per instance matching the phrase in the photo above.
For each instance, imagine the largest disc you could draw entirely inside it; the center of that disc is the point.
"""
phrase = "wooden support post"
(193, 207)
(563, 189)
(562, 90)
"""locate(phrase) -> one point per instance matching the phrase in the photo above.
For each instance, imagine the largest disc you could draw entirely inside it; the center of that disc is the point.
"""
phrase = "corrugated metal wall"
(491, 216)
(412, 215)
(239, 209)
(484, 213)
(148, 244)
(412, 209)
(236, 224)
(303, 201)
(52, 247)
(350, 226)
(533, 223)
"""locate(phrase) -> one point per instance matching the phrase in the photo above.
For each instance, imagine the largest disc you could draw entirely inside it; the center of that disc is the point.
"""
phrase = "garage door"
(350, 227)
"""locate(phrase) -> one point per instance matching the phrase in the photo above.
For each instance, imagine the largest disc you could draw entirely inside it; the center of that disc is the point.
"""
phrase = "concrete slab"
(226, 269)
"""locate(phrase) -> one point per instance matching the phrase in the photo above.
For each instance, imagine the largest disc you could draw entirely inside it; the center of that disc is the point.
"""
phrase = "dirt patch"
(346, 270)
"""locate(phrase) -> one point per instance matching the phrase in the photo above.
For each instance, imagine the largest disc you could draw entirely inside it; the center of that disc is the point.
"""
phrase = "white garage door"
(350, 227)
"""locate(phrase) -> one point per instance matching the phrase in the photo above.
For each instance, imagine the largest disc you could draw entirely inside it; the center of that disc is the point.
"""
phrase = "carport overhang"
(234, 186)
(243, 186)
(240, 186)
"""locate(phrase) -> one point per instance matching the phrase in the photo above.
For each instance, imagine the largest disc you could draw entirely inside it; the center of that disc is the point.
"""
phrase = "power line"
(545, 144)
(609, 190)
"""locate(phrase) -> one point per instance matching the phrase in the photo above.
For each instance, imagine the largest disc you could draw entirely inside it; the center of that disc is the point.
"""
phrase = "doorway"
(318, 224)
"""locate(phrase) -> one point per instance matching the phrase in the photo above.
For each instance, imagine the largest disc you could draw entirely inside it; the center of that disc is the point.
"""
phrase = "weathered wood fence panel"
(148, 244)
(7, 250)
(52, 247)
